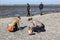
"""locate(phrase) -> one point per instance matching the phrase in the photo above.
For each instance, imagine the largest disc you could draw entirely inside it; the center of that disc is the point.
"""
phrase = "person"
(35, 26)
(41, 8)
(15, 23)
(28, 9)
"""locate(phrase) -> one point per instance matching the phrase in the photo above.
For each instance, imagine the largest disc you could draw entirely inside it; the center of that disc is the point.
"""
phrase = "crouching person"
(35, 26)
(14, 24)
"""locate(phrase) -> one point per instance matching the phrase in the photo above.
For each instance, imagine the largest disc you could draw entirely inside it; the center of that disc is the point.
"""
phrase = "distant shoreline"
(32, 5)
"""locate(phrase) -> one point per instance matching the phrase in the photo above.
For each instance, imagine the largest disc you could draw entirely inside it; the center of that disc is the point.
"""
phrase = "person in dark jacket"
(41, 8)
(28, 9)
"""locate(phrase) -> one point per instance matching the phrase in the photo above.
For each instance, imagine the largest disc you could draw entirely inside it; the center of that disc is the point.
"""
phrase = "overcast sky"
(5, 2)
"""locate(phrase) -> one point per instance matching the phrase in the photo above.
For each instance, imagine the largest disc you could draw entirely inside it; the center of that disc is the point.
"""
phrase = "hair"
(18, 16)
(27, 3)
(30, 19)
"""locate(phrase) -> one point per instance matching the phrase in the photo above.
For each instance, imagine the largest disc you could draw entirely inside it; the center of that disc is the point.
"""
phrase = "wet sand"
(51, 22)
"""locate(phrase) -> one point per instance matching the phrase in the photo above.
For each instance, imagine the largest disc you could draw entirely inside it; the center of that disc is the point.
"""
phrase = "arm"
(18, 24)
(38, 21)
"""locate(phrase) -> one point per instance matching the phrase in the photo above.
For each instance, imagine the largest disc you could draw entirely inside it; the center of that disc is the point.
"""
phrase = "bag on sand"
(10, 28)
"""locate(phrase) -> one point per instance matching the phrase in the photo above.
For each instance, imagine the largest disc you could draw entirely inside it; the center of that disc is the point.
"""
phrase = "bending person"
(14, 24)
(35, 25)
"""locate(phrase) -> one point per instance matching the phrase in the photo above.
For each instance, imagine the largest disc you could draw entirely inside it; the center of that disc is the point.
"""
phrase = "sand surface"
(51, 22)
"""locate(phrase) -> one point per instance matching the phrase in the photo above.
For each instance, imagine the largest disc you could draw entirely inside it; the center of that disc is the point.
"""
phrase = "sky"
(11, 2)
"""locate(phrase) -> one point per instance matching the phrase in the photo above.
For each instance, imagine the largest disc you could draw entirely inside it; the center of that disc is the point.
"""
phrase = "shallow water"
(23, 10)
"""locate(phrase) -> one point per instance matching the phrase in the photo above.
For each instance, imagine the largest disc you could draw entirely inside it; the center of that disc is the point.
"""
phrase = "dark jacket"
(28, 7)
(41, 6)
